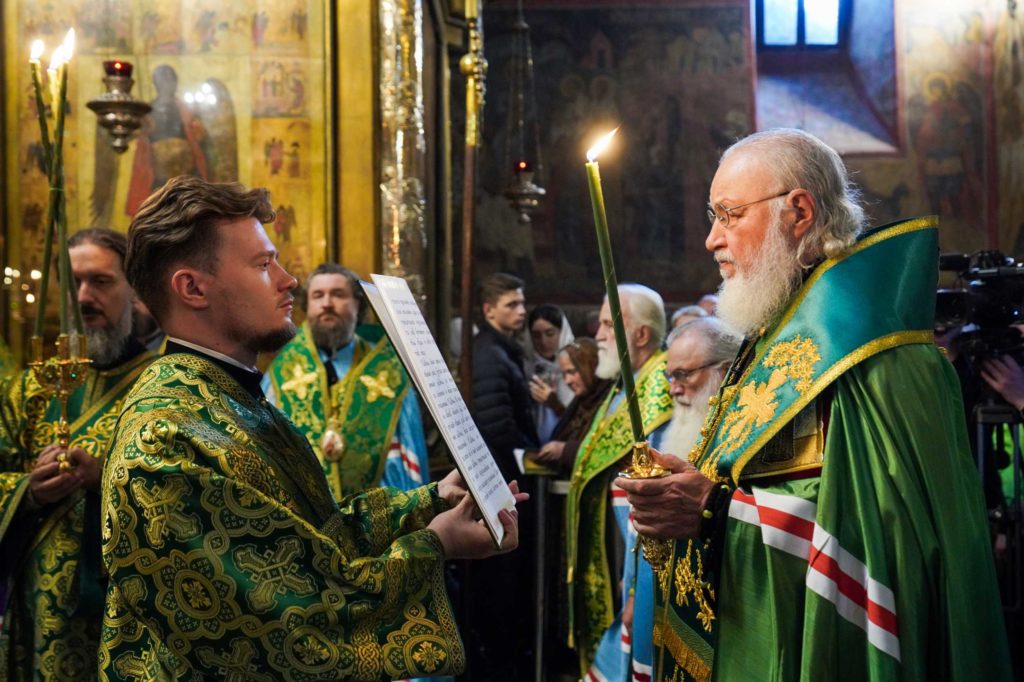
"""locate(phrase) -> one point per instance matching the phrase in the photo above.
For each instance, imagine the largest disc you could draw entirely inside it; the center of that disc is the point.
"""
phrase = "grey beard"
(106, 344)
(328, 337)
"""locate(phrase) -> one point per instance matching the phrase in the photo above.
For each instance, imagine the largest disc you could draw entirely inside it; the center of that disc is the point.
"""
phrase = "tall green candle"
(58, 73)
(611, 284)
(44, 135)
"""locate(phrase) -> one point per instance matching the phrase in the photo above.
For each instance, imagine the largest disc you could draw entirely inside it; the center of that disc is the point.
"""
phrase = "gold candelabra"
(60, 375)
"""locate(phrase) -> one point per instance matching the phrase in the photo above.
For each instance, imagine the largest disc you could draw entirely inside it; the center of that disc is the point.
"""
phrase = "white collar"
(212, 353)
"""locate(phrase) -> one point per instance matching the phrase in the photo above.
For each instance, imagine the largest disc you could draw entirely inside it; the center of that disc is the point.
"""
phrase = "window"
(798, 24)
(829, 67)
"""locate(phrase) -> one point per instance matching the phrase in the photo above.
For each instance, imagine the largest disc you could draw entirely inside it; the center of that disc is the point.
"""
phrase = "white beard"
(748, 301)
(687, 420)
(608, 366)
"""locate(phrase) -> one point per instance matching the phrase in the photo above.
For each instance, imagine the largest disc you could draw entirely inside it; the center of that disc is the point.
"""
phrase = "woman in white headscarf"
(549, 331)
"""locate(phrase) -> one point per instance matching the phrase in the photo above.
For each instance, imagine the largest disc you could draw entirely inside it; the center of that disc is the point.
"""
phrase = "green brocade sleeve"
(380, 515)
(15, 459)
(211, 574)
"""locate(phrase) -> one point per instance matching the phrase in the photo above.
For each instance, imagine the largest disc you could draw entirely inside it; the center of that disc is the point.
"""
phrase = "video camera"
(989, 297)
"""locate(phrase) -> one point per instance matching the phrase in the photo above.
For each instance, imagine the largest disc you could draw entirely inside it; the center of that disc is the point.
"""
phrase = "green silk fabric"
(366, 403)
(229, 558)
(900, 492)
(54, 606)
(601, 454)
(896, 489)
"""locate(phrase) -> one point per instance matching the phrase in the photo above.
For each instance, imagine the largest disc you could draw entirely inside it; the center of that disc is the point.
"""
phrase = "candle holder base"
(657, 552)
(60, 376)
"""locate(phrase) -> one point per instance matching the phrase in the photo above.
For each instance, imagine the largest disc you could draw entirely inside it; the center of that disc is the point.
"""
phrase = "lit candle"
(59, 84)
(523, 166)
(44, 135)
(611, 283)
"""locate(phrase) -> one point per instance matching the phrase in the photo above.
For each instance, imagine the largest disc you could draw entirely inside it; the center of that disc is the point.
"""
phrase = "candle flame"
(62, 55)
(38, 47)
(601, 145)
(57, 59)
(69, 44)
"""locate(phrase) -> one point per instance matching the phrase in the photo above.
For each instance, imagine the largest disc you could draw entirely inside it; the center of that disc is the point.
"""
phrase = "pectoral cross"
(300, 381)
(378, 386)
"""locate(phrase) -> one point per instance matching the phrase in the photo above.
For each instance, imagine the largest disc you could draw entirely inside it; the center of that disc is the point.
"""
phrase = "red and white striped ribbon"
(788, 524)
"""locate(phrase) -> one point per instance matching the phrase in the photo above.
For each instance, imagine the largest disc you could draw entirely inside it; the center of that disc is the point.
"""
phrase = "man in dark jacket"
(501, 393)
(501, 648)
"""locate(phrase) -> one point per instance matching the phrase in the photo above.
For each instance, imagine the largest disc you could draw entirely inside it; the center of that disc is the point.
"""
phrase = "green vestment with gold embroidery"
(51, 554)
(601, 456)
(854, 544)
(229, 558)
(363, 407)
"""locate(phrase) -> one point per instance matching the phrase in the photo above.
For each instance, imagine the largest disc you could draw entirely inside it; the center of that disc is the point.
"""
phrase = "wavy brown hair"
(177, 226)
(582, 353)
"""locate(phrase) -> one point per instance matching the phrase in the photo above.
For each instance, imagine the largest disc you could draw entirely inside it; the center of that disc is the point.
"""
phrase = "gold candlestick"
(60, 376)
(657, 552)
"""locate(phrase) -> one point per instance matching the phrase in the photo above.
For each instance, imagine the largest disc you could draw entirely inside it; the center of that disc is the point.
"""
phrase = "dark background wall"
(681, 79)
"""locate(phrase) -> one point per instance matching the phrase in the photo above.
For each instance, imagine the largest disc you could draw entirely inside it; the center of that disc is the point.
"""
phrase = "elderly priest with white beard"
(830, 524)
(698, 354)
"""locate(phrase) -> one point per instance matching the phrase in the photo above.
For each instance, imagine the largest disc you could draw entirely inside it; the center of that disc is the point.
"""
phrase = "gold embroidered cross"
(135, 666)
(162, 508)
(273, 571)
(429, 656)
(300, 381)
(378, 386)
(233, 666)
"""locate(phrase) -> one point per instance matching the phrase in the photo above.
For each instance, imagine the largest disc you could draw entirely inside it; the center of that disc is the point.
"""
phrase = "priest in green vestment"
(606, 584)
(228, 556)
(49, 519)
(831, 524)
(349, 396)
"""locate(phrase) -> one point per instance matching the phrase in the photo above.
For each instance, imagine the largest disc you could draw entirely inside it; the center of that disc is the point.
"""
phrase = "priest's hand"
(669, 507)
(87, 469)
(463, 536)
(46, 482)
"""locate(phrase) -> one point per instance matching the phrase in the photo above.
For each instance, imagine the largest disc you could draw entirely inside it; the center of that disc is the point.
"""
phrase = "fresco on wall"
(943, 71)
(237, 90)
(1009, 103)
(677, 81)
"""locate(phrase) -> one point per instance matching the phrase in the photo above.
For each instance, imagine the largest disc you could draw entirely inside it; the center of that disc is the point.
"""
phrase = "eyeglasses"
(724, 215)
(682, 375)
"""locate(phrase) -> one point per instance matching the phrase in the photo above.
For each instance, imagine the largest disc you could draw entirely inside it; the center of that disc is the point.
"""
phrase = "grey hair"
(802, 161)
(689, 310)
(646, 307)
(719, 342)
